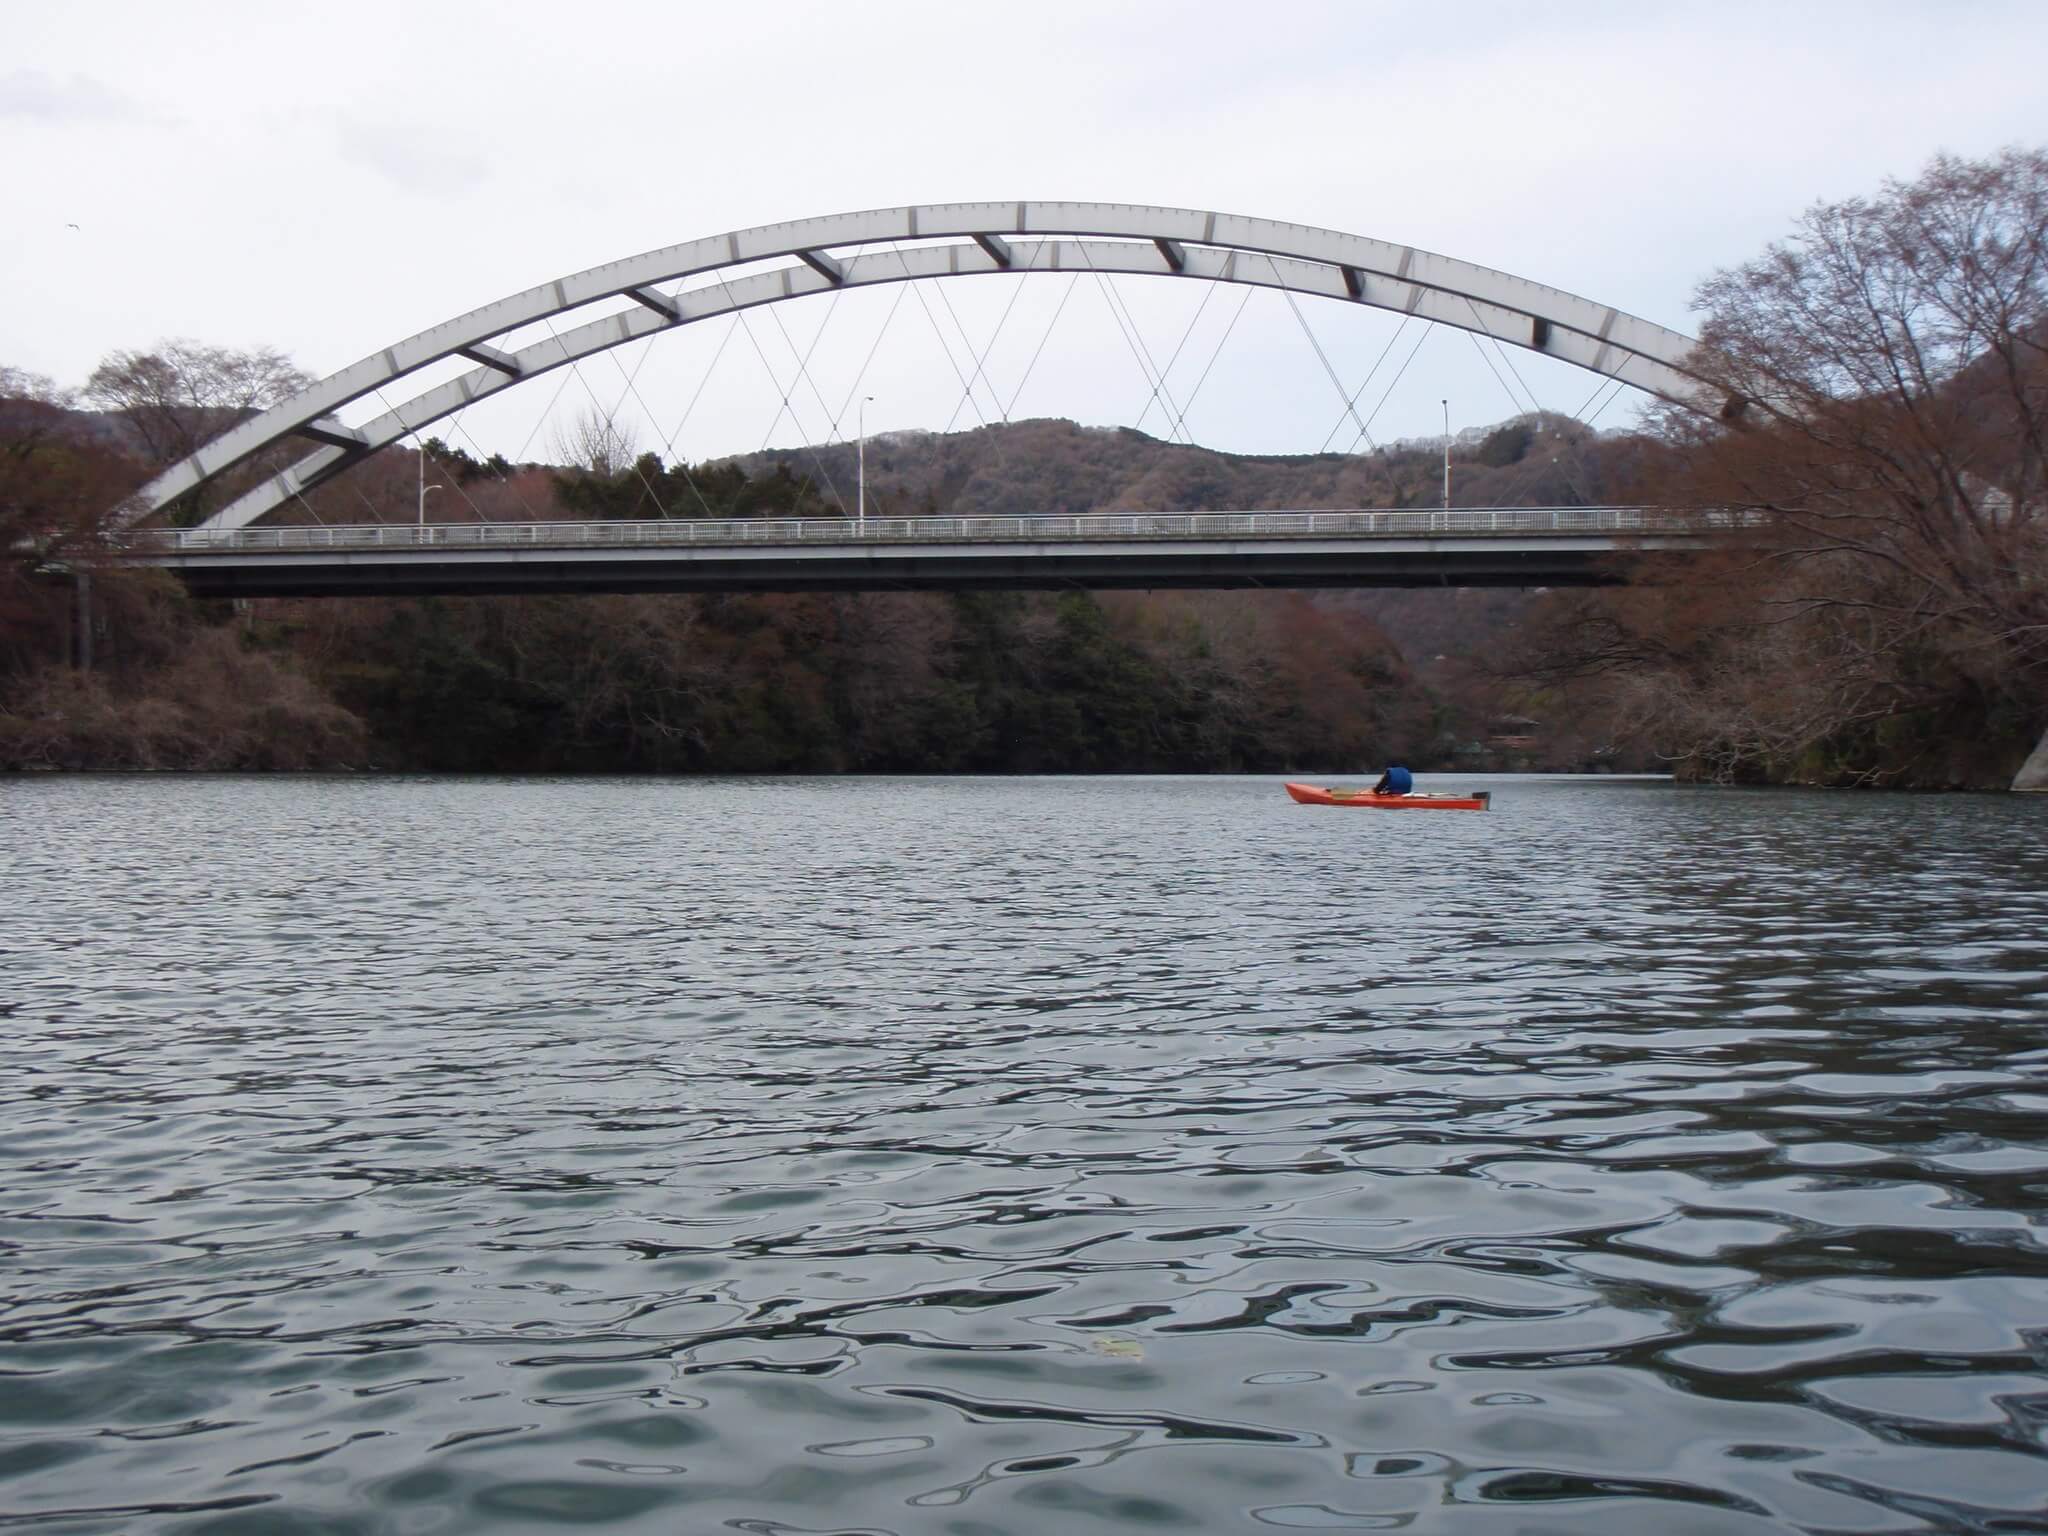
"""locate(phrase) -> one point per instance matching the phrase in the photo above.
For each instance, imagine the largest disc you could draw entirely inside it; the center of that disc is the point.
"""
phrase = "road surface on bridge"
(1513, 547)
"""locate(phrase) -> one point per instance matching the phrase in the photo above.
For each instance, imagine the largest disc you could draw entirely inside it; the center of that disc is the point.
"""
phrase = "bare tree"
(58, 478)
(182, 393)
(1888, 366)
(600, 444)
(1887, 372)
(18, 384)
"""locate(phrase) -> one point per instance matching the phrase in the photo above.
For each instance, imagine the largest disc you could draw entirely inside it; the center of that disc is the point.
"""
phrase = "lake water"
(1019, 1156)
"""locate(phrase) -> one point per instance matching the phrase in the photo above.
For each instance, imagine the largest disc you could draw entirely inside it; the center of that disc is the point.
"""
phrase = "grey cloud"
(34, 94)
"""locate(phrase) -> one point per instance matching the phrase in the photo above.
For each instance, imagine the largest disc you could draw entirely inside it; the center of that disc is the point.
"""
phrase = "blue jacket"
(1395, 781)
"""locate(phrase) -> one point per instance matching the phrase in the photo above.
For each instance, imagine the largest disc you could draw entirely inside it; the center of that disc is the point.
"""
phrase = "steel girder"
(969, 239)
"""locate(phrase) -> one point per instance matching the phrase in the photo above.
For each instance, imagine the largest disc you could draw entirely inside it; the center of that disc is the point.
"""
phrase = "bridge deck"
(1460, 547)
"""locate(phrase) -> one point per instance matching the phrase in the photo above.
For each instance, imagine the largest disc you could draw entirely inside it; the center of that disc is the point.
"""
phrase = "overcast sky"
(329, 179)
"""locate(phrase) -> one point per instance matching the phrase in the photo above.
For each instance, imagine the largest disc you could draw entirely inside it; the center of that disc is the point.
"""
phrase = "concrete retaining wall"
(2033, 774)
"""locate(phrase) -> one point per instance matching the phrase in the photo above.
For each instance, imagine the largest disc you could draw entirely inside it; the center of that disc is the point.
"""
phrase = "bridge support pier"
(2033, 775)
(81, 603)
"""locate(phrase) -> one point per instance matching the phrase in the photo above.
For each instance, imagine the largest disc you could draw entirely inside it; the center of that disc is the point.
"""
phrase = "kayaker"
(1395, 781)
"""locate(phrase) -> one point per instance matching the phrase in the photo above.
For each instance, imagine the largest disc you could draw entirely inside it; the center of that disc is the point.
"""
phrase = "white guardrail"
(1505, 521)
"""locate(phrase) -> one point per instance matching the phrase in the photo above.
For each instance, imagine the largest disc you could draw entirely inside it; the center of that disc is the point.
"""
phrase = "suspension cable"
(419, 447)
(369, 506)
(1385, 352)
(1241, 303)
(1177, 419)
(803, 366)
(271, 460)
(966, 385)
(1372, 415)
(299, 496)
(1508, 358)
(1127, 318)
(1570, 471)
(1335, 383)
(795, 420)
(902, 293)
(1534, 404)
(1503, 383)
(688, 479)
(1117, 301)
(546, 411)
(610, 417)
(980, 373)
(483, 458)
(455, 425)
(1189, 403)
(1135, 340)
(668, 446)
(503, 479)
(980, 362)
(1058, 310)
(1605, 384)
(1618, 386)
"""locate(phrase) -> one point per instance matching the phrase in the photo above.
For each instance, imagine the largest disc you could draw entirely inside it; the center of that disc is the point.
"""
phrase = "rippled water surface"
(1019, 1156)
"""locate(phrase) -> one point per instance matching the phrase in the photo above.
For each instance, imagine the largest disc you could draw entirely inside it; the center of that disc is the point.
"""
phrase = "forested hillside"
(1878, 611)
(1059, 467)
(1194, 682)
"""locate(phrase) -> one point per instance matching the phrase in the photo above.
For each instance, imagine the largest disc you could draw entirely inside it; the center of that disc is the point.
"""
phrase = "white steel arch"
(959, 239)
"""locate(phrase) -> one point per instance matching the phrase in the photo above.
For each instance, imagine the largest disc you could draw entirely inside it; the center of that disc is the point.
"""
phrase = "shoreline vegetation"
(1883, 622)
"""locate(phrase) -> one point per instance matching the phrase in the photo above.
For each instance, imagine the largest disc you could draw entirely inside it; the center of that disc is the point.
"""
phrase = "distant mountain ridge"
(1052, 465)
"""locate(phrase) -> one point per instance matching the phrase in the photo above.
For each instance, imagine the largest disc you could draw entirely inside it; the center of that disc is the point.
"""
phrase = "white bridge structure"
(1510, 546)
(680, 285)
(643, 296)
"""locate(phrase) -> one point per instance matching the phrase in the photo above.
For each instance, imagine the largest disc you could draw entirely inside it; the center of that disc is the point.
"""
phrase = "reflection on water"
(1019, 1156)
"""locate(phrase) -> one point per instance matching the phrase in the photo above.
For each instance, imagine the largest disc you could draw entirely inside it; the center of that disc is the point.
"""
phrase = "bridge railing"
(1521, 522)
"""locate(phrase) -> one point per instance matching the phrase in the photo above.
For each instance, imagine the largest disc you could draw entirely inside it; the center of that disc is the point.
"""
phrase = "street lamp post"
(1447, 455)
(861, 517)
(424, 487)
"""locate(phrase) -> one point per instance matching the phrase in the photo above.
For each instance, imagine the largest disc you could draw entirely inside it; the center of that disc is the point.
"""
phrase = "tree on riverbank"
(170, 686)
(1884, 614)
(180, 394)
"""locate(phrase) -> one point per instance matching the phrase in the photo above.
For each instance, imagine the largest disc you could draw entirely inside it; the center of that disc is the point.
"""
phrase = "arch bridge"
(680, 285)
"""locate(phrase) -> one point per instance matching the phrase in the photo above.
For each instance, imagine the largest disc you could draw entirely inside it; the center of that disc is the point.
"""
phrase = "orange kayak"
(1315, 794)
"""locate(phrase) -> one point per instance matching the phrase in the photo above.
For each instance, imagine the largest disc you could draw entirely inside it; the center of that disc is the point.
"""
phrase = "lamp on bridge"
(420, 448)
(860, 522)
(1447, 455)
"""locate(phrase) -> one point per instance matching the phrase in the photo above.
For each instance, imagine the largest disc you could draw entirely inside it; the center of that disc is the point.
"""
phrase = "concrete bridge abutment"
(2033, 775)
